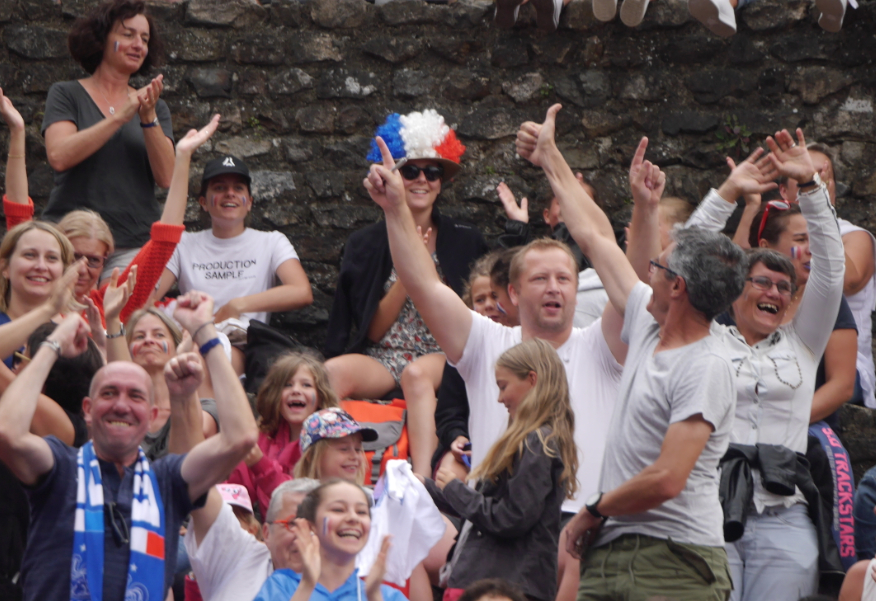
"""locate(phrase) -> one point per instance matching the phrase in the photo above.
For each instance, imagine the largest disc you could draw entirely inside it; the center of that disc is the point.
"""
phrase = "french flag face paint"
(796, 252)
(116, 46)
(325, 527)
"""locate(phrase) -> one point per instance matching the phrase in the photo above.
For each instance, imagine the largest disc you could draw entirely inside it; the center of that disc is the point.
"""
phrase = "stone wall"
(301, 86)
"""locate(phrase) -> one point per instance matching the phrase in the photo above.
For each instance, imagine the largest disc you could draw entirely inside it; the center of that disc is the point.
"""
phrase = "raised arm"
(212, 460)
(587, 223)
(437, 303)
(159, 148)
(825, 286)
(16, 174)
(647, 182)
(28, 456)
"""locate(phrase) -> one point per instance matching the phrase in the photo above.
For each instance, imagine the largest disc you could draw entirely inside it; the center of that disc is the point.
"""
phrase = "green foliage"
(546, 90)
(734, 137)
(490, 170)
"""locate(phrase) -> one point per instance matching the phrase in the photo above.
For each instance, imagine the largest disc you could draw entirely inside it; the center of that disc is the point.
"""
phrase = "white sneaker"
(717, 15)
(604, 10)
(632, 12)
(832, 13)
(506, 13)
(547, 14)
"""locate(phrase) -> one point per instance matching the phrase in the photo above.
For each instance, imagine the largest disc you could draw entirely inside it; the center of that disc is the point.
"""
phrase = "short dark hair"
(87, 38)
(500, 272)
(713, 267)
(776, 223)
(69, 379)
(492, 587)
(307, 508)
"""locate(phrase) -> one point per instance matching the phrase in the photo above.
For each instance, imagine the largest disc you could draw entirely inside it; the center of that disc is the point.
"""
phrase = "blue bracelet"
(208, 346)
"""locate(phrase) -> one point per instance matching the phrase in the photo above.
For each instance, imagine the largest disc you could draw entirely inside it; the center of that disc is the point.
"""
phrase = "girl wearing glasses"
(391, 346)
(776, 343)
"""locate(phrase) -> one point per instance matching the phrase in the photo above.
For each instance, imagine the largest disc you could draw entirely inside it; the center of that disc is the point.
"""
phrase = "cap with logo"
(223, 165)
(234, 494)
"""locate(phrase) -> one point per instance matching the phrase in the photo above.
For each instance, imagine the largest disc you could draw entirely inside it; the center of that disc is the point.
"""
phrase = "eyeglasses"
(18, 359)
(412, 172)
(92, 261)
(287, 523)
(778, 205)
(120, 526)
(654, 266)
(764, 284)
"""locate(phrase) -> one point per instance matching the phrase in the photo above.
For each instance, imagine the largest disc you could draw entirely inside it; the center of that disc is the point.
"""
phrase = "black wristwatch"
(591, 503)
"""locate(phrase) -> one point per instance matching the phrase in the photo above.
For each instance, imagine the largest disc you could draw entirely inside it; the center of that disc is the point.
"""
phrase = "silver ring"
(793, 144)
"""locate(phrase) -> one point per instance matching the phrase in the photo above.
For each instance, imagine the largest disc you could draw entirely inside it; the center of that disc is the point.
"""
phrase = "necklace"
(112, 109)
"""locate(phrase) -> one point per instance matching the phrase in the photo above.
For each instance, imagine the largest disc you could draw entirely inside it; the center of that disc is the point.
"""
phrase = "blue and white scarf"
(146, 567)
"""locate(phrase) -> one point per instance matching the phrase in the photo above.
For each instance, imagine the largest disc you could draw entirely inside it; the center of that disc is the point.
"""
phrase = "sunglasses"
(764, 284)
(412, 172)
(778, 205)
(92, 261)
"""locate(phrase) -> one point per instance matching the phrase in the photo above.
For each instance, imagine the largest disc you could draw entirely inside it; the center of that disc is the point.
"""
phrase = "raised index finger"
(388, 161)
(639, 156)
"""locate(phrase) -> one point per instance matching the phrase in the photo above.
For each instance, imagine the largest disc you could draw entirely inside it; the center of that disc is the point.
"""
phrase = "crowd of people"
(587, 418)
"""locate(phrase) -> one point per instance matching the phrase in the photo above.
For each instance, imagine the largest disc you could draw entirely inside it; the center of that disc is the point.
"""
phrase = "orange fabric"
(16, 212)
(366, 412)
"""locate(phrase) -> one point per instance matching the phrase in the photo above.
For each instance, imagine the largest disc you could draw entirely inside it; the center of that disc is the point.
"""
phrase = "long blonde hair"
(546, 404)
(10, 242)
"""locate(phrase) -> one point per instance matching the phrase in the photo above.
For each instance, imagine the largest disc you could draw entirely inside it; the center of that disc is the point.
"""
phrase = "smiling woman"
(109, 143)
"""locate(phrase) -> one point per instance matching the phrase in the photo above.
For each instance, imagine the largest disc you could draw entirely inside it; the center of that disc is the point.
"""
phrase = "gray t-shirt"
(116, 181)
(657, 391)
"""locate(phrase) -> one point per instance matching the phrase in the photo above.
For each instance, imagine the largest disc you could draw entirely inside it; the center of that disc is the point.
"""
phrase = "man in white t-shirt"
(229, 558)
(236, 265)
(656, 526)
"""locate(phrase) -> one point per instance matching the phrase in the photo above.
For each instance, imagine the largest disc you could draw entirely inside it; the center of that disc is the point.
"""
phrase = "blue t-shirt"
(4, 319)
(282, 584)
(45, 570)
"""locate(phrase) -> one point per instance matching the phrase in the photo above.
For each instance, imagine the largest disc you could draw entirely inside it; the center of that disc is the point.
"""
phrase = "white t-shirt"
(656, 392)
(593, 375)
(591, 298)
(230, 564)
(227, 268)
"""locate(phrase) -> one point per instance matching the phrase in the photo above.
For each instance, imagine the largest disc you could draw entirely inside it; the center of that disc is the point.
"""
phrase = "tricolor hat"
(333, 422)
(420, 136)
(234, 494)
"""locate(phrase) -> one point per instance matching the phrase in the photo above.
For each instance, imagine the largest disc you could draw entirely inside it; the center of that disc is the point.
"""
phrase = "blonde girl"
(512, 517)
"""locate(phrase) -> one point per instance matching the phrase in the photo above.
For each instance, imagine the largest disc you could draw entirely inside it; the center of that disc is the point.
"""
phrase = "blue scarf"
(146, 566)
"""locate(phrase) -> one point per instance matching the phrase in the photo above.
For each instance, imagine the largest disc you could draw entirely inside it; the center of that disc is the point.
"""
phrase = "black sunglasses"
(121, 534)
(412, 172)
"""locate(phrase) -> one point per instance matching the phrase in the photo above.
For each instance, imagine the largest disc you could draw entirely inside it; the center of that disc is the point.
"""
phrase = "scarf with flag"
(146, 565)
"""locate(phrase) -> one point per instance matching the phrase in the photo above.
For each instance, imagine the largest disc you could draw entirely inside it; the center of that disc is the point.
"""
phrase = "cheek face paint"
(164, 346)
(135, 348)
(325, 526)
(501, 308)
(795, 252)
(116, 46)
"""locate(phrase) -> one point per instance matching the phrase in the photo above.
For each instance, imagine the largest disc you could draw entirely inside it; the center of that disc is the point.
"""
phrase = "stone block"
(258, 49)
(290, 82)
(36, 10)
(525, 88)
(711, 85)
(347, 83)
(408, 12)
(210, 83)
(579, 154)
(6, 11)
(454, 49)
(599, 123)
(39, 77)
(462, 84)
(319, 118)
(554, 49)
(348, 153)
(412, 83)
(465, 14)
(797, 48)
(340, 14)
(671, 13)
(240, 14)
(578, 16)
(766, 15)
(298, 150)
(244, 146)
(813, 84)
(253, 81)
(35, 42)
(644, 87)
(289, 13)
(688, 122)
(41, 181)
(282, 214)
(509, 52)
(744, 51)
(353, 119)
(314, 47)
(567, 89)
(327, 184)
(193, 45)
(391, 49)
(771, 83)
(489, 124)
(691, 49)
(270, 185)
(634, 53)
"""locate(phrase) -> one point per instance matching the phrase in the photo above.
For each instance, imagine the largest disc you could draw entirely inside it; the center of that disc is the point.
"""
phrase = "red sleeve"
(150, 262)
(16, 212)
(267, 474)
(241, 476)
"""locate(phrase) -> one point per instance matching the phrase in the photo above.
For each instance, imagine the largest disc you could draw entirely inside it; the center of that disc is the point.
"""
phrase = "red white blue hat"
(420, 136)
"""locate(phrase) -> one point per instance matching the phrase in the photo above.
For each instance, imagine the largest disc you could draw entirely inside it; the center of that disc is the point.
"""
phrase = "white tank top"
(862, 305)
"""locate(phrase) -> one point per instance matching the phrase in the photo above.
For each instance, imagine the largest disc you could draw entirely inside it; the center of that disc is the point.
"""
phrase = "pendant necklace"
(112, 109)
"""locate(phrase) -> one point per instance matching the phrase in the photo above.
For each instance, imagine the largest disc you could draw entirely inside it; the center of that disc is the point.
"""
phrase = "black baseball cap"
(221, 166)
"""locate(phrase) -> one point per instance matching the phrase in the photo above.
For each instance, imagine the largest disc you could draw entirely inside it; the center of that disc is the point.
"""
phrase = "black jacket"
(367, 264)
(515, 523)
(781, 469)
(451, 412)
